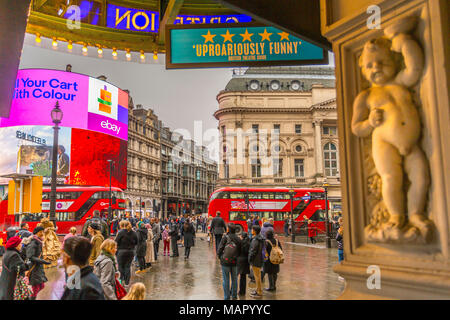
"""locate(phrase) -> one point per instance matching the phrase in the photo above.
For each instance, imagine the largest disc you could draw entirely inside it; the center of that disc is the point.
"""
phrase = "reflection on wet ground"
(305, 274)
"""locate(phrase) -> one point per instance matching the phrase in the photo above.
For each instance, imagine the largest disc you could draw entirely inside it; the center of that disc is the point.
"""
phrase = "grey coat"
(104, 270)
(156, 228)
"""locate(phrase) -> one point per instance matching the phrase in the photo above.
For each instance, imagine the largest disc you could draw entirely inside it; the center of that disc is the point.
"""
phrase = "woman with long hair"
(126, 243)
(105, 268)
(137, 292)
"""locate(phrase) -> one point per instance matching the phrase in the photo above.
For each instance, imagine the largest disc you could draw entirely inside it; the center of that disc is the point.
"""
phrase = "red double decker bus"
(237, 204)
(74, 205)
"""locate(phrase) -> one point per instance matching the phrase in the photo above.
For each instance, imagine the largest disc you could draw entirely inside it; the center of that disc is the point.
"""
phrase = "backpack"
(230, 253)
(276, 254)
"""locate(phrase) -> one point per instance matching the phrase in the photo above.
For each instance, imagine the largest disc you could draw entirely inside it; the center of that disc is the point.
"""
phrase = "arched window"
(330, 158)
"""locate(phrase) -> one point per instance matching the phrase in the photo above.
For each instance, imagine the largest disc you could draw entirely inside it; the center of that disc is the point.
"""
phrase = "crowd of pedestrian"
(242, 255)
(98, 264)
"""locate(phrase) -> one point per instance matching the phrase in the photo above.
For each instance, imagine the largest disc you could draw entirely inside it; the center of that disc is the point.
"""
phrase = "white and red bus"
(74, 204)
(268, 203)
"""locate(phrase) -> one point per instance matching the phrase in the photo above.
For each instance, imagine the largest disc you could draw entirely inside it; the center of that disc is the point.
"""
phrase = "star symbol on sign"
(265, 35)
(246, 36)
(227, 36)
(284, 35)
(209, 37)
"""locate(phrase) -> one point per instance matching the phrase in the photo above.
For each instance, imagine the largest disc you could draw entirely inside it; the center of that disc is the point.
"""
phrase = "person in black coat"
(126, 243)
(82, 283)
(242, 263)
(269, 268)
(255, 258)
(189, 236)
(173, 233)
(141, 247)
(12, 265)
(229, 266)
(34, 255)
(218, 228)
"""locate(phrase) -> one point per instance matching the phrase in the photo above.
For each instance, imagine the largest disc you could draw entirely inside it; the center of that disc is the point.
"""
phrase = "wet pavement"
(305, 274)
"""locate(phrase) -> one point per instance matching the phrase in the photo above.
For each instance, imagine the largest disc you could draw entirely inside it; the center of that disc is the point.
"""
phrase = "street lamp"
(57, 116)
(328, 240)
(291, 195)
(111, 165)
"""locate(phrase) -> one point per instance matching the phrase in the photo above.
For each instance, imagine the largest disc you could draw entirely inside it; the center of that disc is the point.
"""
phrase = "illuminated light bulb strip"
(85, 49)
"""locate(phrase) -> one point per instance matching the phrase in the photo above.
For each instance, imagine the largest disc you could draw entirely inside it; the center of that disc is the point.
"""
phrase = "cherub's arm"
(360, 122)
(413, 57)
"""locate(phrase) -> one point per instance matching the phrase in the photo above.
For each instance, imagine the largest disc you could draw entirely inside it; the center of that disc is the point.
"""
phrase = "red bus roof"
(81, 188)
(279, 189)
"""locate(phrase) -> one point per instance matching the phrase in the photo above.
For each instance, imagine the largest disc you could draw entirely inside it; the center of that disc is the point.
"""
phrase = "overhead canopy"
(298, 17)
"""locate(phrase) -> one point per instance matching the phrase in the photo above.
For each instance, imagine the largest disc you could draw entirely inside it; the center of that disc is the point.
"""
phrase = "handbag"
(120, 290)
(22, 290)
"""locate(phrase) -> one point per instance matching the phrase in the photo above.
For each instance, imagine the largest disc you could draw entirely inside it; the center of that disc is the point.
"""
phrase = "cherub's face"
(378, 66)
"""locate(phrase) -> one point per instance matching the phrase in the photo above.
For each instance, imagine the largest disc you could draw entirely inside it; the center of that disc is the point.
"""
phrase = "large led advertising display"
(87, 103)
(94, 129)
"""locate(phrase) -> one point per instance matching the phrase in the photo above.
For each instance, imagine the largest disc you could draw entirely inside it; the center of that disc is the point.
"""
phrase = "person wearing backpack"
(255, 258)
(228, 253)
(274, 257)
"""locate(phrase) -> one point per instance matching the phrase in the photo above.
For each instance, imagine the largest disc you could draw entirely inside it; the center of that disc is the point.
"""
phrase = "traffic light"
(143, 204)
(114, 200)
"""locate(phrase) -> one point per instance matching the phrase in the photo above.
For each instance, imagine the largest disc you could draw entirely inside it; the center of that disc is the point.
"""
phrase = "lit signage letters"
(148, 21)
(30, 137)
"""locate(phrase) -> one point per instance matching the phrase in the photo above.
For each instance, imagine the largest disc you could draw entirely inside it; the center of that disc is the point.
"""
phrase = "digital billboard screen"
(86, 102)
(82, 155)
(93, 130)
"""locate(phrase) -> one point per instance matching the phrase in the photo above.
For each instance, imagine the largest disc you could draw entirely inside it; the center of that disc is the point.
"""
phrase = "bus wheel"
(239, 229)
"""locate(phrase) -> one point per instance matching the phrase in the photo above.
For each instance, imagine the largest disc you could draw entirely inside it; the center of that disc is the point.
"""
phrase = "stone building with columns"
(278, 128)
(143, 192)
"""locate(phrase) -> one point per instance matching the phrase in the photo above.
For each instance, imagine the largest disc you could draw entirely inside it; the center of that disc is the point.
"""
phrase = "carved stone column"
(394, 131)
(318, 146)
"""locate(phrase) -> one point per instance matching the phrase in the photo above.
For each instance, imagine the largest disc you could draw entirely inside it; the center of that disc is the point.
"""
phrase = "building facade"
(278, 128)
(188, 175)
(143, 192)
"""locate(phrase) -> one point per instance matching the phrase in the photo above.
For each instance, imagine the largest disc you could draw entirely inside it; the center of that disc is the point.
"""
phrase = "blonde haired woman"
(72, 233)
(137, 292)
(126, 243)
(105, 268)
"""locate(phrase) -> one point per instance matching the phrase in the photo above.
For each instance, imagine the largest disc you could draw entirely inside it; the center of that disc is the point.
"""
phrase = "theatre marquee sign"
(237, 45)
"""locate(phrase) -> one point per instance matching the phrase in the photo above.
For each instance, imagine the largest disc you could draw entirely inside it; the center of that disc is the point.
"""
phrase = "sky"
(179, 97)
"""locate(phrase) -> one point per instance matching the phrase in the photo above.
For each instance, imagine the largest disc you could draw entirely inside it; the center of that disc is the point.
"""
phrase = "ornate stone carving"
(397, 168)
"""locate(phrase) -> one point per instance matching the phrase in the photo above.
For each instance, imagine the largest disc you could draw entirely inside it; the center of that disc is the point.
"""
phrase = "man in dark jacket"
(242, 263)
(96, 219)
(156, 228)
(34, 255)
(141, 247)
(82, 283)
(173, 233)
(255, 258)
(228, 253)
(218, 228)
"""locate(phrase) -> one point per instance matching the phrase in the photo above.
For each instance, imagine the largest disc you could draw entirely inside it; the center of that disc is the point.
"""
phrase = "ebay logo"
(110, 126)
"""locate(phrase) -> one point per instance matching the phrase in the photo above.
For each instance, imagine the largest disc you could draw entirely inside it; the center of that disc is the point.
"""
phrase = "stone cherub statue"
(386, 111)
